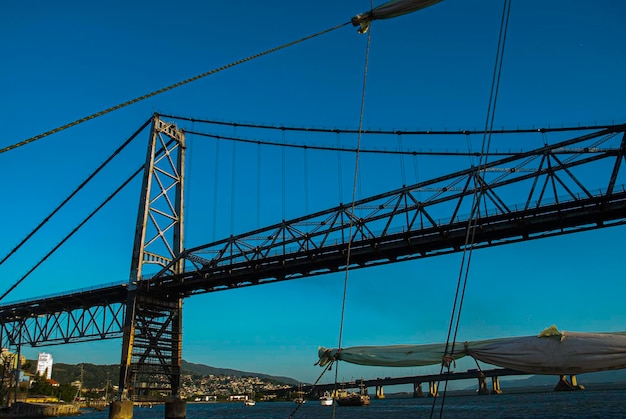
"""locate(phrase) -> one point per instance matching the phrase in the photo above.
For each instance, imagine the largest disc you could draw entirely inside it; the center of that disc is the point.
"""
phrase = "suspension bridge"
(573, 183)
(525, 196)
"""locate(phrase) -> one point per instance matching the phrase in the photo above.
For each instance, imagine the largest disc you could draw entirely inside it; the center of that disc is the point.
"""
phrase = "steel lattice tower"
(152, 335)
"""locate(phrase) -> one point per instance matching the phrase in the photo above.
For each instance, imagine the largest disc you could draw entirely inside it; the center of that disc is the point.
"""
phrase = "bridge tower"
(152, 332)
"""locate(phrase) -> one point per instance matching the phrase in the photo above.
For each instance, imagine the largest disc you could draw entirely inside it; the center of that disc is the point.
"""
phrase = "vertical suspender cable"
(216, 186)
(233, 184)
(306, 181)
(284, 150)
(258, 186)
(477, 197)
(401, 148)
(339, 174)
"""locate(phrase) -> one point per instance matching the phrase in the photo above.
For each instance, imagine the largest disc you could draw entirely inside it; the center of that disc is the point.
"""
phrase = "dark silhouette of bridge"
(524, 196)
(417, 381)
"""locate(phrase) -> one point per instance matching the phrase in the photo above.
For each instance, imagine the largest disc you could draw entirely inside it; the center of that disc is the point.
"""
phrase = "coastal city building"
(44, 365)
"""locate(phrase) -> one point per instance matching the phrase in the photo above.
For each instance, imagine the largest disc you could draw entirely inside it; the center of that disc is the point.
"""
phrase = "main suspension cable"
(69, 235)
(390, 131)
(80, 187)
(348, 150)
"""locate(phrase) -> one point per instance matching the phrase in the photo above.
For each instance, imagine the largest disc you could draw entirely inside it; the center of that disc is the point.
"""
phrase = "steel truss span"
(572, 186)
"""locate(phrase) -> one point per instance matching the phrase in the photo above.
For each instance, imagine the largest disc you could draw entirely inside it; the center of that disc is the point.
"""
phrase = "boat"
(250, 400)
(346, 398)
(300, 399)
(326, 399)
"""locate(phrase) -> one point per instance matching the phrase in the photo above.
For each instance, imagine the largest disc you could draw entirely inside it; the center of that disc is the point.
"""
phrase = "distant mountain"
(602, 377)
(549, 381)
(202, 369)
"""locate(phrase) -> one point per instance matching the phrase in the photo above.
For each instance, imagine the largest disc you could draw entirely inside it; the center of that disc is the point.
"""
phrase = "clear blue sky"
(564, 65)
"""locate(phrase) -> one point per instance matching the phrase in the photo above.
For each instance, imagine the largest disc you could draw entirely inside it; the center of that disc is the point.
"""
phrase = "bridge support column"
(495, 385)
(417, 390)
(568, 385)
(121, 410)
(482, 384)
(433, 389)
(380, 392)
(175, 408)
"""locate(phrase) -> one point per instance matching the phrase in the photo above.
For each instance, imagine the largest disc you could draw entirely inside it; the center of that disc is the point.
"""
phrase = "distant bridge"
(416, 381)
(433, 381)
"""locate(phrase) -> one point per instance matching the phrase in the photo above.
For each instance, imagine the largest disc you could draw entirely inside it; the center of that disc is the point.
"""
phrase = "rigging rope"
(165, 89)
(354, 196)
(312, 387)
(479, 185)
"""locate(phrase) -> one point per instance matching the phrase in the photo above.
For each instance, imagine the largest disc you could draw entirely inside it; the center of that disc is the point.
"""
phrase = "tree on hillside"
(41, 387)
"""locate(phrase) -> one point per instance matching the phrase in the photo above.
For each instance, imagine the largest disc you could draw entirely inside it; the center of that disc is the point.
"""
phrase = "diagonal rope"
(165, 89)
(312, 388)
(354, 193)
(455, 315)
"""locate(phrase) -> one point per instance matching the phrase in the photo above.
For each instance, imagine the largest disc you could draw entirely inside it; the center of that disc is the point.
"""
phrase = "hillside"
(96, 376)
(202, 369)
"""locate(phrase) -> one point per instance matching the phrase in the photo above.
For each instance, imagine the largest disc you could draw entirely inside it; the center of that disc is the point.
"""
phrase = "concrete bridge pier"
(495, 385)
(482, 384)
(175, 408)
(121, 409)
(568, 385)
(417, 390)
(380, 392)
(433, 389)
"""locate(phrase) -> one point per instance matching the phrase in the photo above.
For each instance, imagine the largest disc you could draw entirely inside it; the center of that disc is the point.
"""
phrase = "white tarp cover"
(389, 10)
(552, 352)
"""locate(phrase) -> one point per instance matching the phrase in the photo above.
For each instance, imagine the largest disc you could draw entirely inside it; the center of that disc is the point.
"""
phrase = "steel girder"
(569, 186)
(88, 315)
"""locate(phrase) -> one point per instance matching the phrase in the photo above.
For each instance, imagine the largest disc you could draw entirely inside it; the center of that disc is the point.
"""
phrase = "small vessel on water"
(326, 399)
(346, 398)
(249, 401)
(300, 398)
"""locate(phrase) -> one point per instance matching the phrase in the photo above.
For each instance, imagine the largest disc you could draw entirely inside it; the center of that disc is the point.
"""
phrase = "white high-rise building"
(44, 365)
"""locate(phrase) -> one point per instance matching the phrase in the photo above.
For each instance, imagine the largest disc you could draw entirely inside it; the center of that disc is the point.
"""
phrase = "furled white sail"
(388, 10)
(551, 352)
(389, 356)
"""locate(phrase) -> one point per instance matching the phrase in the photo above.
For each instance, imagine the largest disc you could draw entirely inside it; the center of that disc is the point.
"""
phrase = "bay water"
(604, 403)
